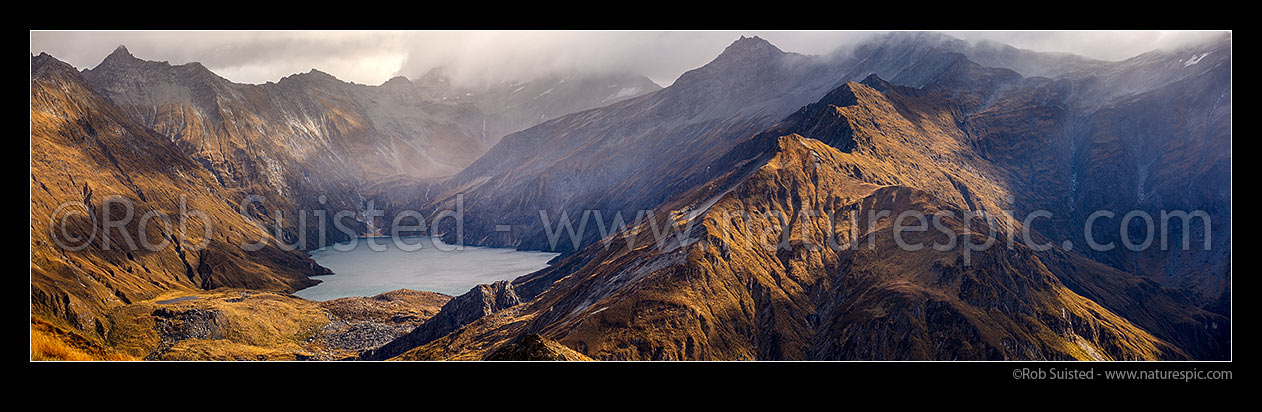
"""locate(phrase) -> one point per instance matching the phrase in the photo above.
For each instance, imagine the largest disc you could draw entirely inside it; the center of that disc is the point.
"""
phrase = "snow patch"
(1194, 59)
(625, 92)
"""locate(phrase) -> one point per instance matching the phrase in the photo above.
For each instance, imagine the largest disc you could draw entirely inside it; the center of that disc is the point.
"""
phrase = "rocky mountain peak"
(120, 55)
(316, 73)
(311, 77)
(44, 63)
(747, 48)
(122, 64)
(739, 63)
(121, 50)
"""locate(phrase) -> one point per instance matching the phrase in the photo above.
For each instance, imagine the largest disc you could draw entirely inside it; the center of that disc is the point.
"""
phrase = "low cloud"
(1102, 45)
(491, 56)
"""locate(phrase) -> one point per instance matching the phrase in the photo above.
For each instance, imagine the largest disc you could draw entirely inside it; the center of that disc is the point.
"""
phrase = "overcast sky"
(374, 57)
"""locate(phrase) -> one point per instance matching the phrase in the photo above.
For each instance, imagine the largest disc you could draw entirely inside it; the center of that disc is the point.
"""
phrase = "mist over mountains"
(899, 121)
(485, 57)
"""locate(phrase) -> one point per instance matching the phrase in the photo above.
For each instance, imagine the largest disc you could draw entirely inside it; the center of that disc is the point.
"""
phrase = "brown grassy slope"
(1170, 315)
(83, 153)
(1015, 145)
(727, 297)
(51, 343)
(1009, 304)
(398, 304)
(219, 325)
(233, 324)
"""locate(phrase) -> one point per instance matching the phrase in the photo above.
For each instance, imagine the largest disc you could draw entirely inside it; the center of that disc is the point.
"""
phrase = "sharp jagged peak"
(42, 58)
(120, 56)
(121, 62)
(751, 42)
(745, 55)
(749, 47)
(121, 50)
(45, 63)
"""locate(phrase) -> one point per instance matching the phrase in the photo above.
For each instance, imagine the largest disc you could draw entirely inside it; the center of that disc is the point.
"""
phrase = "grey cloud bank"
(372, 57)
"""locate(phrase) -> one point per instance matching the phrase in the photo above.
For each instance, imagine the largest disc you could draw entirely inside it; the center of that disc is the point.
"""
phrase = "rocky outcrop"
(177, 325)
(482, 300)
(362, 323)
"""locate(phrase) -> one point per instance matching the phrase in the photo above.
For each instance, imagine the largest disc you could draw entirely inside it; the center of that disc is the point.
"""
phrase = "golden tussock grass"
(49, 343)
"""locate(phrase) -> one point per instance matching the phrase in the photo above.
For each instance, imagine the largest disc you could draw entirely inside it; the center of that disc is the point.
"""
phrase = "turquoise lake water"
(369, 266)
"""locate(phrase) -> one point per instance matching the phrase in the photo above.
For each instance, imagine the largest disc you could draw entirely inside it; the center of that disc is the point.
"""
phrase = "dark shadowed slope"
(726, 296)
(633, 155)
(720, 295)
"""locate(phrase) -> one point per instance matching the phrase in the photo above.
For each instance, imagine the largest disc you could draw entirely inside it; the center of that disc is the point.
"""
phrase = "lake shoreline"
(423, 263)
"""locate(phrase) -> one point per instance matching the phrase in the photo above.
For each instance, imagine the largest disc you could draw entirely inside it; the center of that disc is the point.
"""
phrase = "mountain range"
(756, 137)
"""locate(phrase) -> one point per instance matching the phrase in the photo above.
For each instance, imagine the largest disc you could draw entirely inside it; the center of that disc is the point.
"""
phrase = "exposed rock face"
(482, 300)
(363, 323)
(177, 325)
